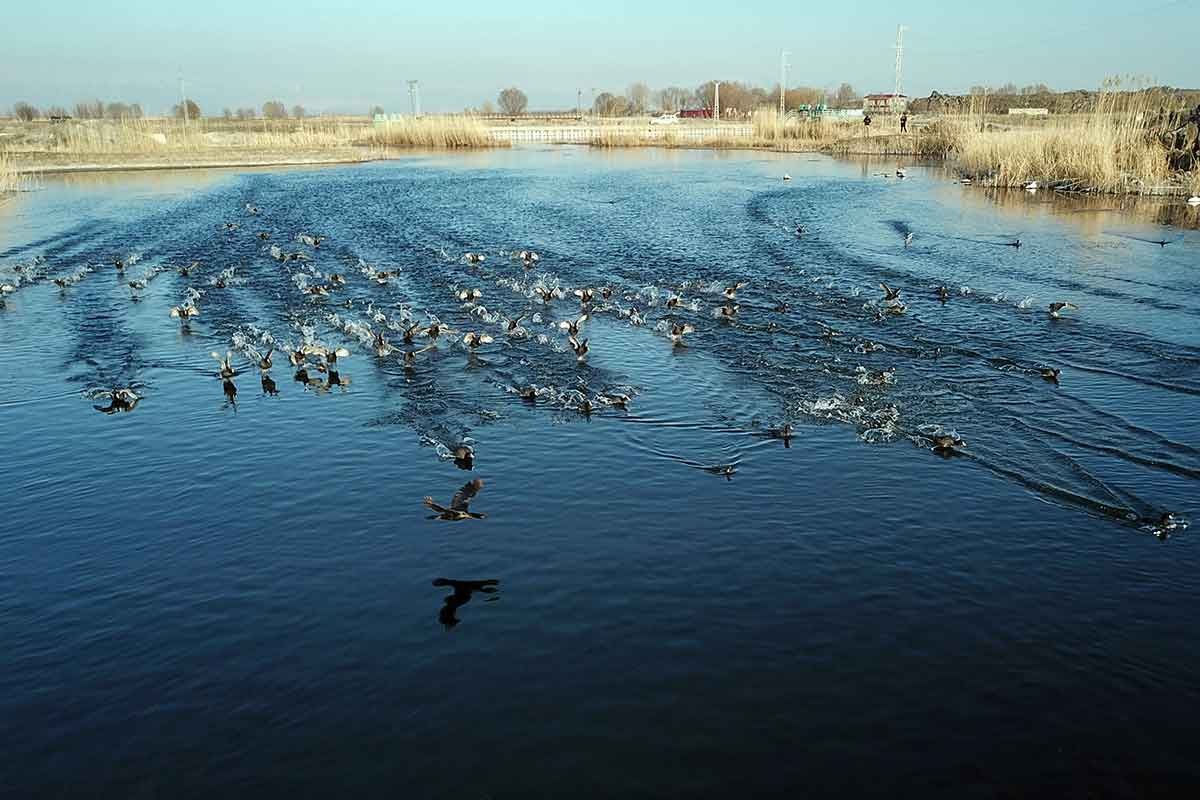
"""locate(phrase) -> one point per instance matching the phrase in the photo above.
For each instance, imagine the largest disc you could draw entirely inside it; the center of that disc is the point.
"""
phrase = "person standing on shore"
(904, 122)
(867, 123)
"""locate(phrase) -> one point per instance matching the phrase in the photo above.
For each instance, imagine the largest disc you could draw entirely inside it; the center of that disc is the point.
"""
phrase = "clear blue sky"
(331, 58)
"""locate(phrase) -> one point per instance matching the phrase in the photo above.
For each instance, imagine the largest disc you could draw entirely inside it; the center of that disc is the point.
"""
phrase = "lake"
(739, 566)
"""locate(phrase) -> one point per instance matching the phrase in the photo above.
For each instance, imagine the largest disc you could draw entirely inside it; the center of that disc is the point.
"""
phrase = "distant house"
(1030, 112)
(885, 103)
(696, 113)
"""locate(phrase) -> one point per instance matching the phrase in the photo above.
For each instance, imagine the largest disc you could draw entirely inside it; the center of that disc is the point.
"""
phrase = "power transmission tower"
(414, 97)
(579, 102)
(783, 68)
(716, 101)
(899, 60)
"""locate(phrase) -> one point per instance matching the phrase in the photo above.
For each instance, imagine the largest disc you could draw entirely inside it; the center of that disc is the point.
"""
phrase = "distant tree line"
(737, 99)
(1010, 90)
(85, 109)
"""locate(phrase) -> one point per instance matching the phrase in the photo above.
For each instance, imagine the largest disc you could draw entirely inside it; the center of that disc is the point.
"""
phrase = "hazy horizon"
(331, 60)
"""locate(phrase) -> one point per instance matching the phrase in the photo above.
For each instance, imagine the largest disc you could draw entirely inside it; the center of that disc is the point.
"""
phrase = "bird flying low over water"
(908, 238)
(474, 258)
(889, 294)
(572, 326)
(459, 508)
(469, 295)
(1057, 308)
(184, 313)
(585, 296)
(119, 399)
(730, 292)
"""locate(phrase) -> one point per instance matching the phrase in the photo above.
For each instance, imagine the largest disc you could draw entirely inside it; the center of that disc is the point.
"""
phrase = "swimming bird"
(189, 269)
(264, 235)
(678, 331)
(227, 371)
(889, 294)
(942, 293)
(585, 296)
(1032, 186)
(277, 253)
(264, 361)
(672, 301)
(782, 307)
(251, 208)
(900, 173)
(1050, 374)
(460, 597)
(1194, 200)
(783, 432)
(469, 295)
(473, 339)
(1015, 244)
(528, 393)
(311, 240)
(786, 177)
(635, 316)
(474, 258)
(908, 237)
(572, 326)
(268, 385)
(119, 264)
(580, 348)
(728, 311)
(799, 229)
(464, 457)
(459, 508)
(585, 407)
(947, 443)
(232, 226)
(337, 279)
(606, 292)
(530, 258)
(730, 292)
(1055, 308)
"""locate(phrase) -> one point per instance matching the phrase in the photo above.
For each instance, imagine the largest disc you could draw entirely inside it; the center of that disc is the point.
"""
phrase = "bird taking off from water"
(1057, 308)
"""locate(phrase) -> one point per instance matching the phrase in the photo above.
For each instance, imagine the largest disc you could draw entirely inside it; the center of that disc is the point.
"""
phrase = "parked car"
(665, 119)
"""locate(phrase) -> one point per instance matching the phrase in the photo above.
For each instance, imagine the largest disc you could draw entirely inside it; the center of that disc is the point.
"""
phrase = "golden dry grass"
(1111, 150)
(10, 180)
(442, 132)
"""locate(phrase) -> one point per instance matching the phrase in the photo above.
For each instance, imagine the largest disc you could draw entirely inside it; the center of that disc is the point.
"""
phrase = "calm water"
(205, 598)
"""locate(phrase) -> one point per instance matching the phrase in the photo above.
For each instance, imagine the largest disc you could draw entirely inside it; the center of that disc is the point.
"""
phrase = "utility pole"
(579, 102)
(717, 101)
(183, 98)
(414, 97)
(783, 67)
(899, 61)
(594, 110)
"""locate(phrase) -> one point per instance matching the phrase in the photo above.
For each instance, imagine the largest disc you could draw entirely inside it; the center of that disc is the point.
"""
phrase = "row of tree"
(86, 109)
(737, 98)
(1011, 90)
(98, 109)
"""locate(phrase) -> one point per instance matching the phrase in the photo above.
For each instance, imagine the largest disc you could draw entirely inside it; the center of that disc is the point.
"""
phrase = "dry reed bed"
(10, 180)
(442, 133)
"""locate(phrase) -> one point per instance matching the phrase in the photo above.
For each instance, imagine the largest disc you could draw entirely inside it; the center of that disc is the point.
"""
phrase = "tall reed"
(442, 132)
(10, 179)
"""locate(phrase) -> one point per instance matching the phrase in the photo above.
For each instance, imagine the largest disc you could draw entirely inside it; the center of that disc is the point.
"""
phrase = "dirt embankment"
(1080, 101)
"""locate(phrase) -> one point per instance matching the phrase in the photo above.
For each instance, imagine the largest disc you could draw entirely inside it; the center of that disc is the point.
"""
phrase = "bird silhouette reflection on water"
(463, 590)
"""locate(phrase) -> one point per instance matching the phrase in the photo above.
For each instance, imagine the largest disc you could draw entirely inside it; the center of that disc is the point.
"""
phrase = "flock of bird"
(316, 364)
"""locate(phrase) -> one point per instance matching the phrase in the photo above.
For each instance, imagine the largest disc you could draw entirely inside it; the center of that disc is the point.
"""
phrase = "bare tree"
(193, 110)
(1036, 88)
(246, 113)
(56, 112)
(611, 105)
(673, 98)
(298, 111)
(639, 97)
(512, 101)
(90, 110)
(487, 107)
(846, 97)
(1009, 88)
(135, 111)
(227, 114)
(118, 111)
(273, 109)
(376, 110)
(24, 112)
